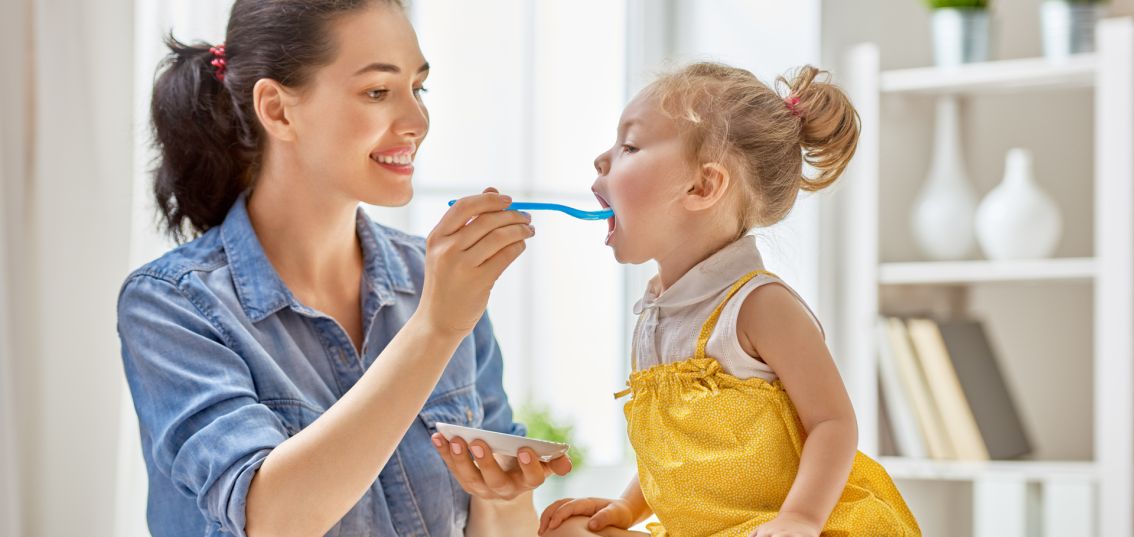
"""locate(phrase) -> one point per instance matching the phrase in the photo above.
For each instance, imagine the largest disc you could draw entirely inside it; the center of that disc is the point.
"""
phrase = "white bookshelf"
(961, 272)
(1092, 495)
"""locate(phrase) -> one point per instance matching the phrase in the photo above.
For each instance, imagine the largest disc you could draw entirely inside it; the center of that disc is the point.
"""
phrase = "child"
(738, 417)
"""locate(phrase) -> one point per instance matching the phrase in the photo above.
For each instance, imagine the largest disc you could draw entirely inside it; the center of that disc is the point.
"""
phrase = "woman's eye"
(629, 148)
(376, 95)
(421, 90)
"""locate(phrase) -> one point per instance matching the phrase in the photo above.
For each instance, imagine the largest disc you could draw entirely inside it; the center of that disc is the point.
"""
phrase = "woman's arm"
(307, 483)
(775, 326)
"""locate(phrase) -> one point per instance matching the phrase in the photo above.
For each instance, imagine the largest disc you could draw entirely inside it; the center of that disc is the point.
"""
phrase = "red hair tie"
(792, 102)
(218, 62)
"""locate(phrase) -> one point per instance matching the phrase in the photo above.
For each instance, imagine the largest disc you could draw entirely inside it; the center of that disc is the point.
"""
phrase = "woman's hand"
(788, 525)
(471, 246)
(603, 512)
(486, 478)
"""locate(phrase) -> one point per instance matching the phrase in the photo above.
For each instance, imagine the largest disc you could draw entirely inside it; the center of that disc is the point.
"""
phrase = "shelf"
(992, 77)
(961, 272)
(934, 470)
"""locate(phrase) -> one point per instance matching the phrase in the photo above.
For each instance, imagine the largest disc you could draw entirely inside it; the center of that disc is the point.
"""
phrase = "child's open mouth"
(612, 222)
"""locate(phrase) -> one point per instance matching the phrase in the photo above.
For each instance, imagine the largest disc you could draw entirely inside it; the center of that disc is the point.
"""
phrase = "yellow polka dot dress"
(718, 454)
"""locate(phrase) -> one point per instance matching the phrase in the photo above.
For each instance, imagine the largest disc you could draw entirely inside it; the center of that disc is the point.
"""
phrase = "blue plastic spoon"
(577, 213)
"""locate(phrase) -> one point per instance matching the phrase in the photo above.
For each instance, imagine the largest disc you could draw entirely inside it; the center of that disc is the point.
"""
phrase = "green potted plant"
(960, 31)
(1068, 26)
(543, 424)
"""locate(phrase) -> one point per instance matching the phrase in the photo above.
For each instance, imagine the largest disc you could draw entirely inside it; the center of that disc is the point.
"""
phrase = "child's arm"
(629, 509)
(774, 325)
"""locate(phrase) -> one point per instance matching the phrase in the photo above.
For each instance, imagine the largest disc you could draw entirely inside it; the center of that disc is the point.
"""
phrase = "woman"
(289, 365)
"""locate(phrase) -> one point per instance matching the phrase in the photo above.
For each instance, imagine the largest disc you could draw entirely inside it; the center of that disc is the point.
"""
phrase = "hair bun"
(829, 124)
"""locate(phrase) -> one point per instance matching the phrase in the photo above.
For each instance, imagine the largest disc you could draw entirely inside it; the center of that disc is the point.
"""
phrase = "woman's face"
(642, 177)
(360, 120)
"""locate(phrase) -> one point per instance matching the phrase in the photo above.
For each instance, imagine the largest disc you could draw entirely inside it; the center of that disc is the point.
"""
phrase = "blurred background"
(523, 95)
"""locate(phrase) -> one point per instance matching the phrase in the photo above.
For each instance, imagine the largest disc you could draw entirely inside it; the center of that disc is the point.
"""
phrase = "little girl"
(739, 420)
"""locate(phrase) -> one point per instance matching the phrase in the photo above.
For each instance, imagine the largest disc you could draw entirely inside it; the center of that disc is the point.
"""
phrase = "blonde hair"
(729, 116)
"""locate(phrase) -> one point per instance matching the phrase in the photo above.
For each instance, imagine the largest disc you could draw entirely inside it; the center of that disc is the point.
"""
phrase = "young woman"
(288, 364)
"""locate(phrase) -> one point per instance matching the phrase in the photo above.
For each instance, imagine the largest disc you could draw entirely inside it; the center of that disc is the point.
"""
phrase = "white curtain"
(65, 156)
(13, 157)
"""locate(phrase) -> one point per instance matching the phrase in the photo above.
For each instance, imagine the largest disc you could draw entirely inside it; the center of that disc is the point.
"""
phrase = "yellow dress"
(717, 454)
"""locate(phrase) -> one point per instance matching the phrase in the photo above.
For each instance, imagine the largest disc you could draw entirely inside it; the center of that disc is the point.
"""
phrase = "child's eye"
(629, 148)
(377, 94)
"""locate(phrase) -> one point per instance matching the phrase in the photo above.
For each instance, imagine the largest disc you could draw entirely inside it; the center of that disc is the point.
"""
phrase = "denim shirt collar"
(261, 290)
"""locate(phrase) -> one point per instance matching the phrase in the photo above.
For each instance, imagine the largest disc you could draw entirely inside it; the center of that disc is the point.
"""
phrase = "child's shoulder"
(774, 310)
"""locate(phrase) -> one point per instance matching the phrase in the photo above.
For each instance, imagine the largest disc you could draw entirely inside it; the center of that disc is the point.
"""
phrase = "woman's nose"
(413, 119)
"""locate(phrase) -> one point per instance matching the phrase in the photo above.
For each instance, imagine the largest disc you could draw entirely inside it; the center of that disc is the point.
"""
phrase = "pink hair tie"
(792, 102)
(218, 62)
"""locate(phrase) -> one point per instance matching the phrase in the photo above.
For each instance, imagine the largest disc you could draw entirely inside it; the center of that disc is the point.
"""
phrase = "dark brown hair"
(205, 127)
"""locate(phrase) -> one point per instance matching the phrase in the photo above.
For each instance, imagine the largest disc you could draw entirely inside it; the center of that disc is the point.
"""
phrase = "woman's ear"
(271, 101)
(708, 187)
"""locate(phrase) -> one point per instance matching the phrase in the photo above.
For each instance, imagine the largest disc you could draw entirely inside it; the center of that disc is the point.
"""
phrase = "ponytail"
(204, 162)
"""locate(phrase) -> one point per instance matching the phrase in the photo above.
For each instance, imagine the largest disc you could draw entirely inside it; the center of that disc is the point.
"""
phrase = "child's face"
(643, 178)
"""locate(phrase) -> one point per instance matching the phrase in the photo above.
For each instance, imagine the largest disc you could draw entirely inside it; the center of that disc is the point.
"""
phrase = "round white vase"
(1017, 219)
(942, 217)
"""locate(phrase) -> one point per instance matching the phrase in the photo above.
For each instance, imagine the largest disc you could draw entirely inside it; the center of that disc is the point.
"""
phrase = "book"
(945, 388)
(909, 440)
(938, 445)
(983, 384)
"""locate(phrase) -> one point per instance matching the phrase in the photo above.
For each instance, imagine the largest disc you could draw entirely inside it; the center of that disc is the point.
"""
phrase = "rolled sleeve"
(490, 382)
(195, 398)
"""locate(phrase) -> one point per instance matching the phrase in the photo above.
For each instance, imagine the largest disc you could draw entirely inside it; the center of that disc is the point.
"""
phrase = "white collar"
(707, 278)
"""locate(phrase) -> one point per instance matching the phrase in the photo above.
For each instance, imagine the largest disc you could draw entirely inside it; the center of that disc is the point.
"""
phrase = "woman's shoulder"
(204, 253)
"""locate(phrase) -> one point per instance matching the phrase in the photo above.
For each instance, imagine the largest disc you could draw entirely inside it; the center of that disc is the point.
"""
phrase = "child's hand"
(788, 525)
(603, 512)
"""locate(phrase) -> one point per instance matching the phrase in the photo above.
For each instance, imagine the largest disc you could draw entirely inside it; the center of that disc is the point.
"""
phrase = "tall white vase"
(942, 217)
(1018, 220)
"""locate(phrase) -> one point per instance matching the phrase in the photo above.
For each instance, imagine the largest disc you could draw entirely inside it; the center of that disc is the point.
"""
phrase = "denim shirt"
(224, 364)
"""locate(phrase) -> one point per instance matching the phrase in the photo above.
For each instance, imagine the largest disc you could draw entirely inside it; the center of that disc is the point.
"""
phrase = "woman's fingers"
(456, 457)
(484, 224)
(466, 209)
(561, 465)
(498, 240)
(532, 472)
(497, 480)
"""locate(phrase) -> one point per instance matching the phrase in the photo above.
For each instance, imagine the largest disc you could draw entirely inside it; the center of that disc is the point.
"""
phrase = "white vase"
(1068, 27)
(942, 217)
(960, 35)
(1018, 220)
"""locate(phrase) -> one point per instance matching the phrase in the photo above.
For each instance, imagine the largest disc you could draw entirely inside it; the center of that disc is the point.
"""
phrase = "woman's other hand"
(481, 474)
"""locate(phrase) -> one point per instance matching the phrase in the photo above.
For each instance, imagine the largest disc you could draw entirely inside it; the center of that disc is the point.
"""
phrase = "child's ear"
(708, 187)
(272, 102)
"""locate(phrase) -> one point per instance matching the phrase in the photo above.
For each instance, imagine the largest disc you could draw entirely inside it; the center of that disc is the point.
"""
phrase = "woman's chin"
(389, 195)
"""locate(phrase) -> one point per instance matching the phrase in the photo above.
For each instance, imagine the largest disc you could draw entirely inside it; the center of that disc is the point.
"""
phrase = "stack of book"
(943, 393)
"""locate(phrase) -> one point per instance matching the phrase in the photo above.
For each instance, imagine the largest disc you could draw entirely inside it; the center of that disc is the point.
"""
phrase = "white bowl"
(505, 444)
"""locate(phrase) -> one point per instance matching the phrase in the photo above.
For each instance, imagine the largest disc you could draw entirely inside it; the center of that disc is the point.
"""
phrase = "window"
(523, 96)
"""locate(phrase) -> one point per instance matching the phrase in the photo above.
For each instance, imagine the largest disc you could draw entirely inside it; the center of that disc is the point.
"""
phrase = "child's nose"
(601, 165)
